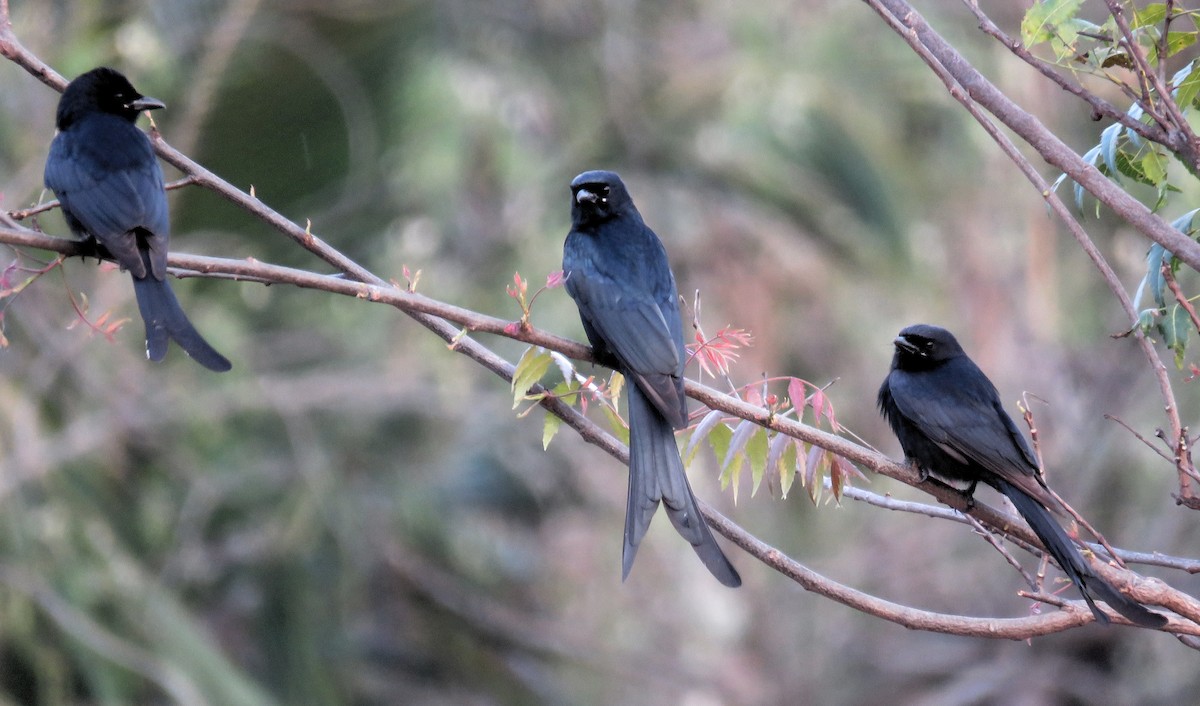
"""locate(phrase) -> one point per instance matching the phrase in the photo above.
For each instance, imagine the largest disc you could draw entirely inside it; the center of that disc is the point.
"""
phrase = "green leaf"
(718, 439)
(775, 448)
(1154, 166)
(616, 424)
(1187, 81)
(567, 391)
(812, 477)
(549, 429)
(735, 454)
(1175, 330)
(1065, 40)
(1147, 320)
(533, 365)
(789, 465)
(1043, 20)
(702, 430)
(756, 454)
(616, 381)
(1178, 41)
(1148, 15)
(1108, 57)
(1132, 169)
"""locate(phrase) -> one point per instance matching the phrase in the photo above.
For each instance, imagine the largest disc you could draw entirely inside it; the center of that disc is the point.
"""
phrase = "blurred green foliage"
(356, 515)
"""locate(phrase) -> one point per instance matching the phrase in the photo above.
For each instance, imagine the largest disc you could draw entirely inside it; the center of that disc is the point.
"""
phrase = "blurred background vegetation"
(355, 515)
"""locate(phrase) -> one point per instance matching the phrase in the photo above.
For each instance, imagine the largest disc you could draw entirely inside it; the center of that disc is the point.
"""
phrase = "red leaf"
(555, 279)
(796, 394)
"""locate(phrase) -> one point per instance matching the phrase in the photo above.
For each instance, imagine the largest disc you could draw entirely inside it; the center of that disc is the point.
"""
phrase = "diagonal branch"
(913, 28)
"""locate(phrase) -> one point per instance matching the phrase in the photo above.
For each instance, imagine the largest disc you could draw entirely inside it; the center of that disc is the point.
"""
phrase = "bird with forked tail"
(950, 423)
(617, 272)
(103, 170)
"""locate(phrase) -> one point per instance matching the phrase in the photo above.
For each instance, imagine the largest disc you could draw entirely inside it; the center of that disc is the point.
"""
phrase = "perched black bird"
(103, 170)
(618, 275)
(948, 417)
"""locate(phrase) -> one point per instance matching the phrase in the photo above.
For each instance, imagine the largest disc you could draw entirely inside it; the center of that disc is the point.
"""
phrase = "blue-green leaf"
(1108, 148)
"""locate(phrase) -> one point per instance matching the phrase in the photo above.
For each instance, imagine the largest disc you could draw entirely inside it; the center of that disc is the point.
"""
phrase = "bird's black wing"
(106, 176)
(642, 333)
(957, 407)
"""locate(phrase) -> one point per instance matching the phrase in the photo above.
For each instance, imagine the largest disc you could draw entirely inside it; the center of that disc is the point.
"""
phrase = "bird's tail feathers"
(165, 320)
(1091, 585)
(656, 474)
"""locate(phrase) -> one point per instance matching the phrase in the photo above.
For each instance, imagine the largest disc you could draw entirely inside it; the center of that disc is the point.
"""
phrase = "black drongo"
(617, 273)
(948, 417)
(103, 170)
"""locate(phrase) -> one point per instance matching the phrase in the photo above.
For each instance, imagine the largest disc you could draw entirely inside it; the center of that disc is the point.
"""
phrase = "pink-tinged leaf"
(512, 329)
(716, 354)
(6, 279)
(837, 477)
(555, 279)
(406, 272)
(823, 407)
(754, 397)
(817, 401)
(796, 394)
(706, 425)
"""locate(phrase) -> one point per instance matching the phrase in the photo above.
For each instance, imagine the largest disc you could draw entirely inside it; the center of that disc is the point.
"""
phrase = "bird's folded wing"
(109, 199)
(638, 333)
(967, 423)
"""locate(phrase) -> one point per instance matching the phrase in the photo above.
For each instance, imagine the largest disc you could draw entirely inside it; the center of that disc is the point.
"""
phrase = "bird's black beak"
(146, 103)
(584, 195)
(905, 346)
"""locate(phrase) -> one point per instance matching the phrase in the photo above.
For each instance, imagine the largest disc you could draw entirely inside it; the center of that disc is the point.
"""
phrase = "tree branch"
(913, 28)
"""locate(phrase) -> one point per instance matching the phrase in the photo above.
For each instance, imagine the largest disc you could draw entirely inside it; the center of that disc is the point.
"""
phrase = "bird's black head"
(921, 346)
(597, 196)
(102, 90)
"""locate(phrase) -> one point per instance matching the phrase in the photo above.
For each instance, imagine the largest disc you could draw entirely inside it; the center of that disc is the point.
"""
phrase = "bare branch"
(946, 61)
